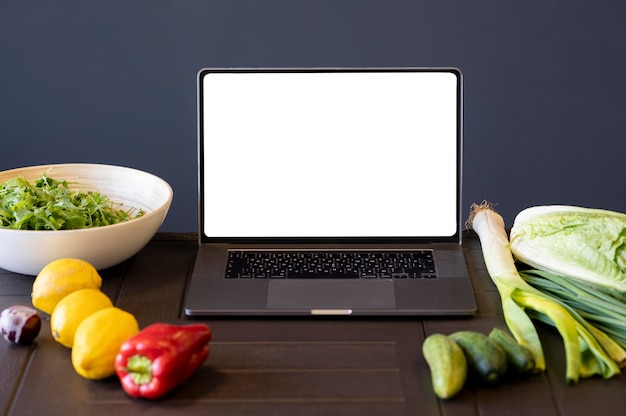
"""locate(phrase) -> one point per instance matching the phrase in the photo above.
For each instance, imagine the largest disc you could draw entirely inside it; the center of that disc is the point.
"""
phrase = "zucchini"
(448, 366)
(520, 358)
(485, 357)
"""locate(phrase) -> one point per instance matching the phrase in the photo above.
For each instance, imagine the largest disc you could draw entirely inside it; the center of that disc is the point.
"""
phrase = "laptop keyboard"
(331, 264)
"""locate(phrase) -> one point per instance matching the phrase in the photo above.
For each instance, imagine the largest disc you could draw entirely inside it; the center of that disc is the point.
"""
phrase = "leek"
(580, 243)
(588, 350)
(602, 310)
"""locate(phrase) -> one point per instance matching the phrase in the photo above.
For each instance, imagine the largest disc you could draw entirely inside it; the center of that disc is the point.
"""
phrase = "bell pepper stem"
(139, 367)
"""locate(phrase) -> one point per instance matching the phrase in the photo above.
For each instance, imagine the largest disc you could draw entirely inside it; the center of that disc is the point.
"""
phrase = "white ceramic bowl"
(28, 251)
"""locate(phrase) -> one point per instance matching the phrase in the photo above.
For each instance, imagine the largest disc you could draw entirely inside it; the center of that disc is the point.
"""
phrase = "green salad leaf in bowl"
(50, 204)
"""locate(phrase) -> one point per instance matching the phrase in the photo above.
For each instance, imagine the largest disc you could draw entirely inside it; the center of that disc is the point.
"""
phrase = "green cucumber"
(518, 356)
(448, 366)
(485, 357)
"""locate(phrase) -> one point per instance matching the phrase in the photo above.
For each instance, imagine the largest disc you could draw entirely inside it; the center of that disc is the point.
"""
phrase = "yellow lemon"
(98, 339)
(72, 310)
(60, 278)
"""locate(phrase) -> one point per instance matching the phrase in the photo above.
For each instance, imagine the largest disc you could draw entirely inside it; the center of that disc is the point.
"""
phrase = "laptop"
(303, 172)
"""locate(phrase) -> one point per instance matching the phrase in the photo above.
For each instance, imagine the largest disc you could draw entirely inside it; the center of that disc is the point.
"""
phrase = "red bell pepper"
(161, 357)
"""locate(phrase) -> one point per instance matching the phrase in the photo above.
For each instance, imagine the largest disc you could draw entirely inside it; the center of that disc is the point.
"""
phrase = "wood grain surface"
(287, 366)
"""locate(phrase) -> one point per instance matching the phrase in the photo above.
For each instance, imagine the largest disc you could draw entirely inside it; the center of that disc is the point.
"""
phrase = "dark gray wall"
(114, 82)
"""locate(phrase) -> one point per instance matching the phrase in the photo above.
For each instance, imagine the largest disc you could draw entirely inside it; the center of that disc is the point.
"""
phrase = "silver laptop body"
(318, 161)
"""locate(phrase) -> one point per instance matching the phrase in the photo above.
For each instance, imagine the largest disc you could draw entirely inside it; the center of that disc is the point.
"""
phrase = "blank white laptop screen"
(330, 154)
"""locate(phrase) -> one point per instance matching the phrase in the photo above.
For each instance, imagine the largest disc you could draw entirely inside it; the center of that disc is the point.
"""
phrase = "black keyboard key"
(331, 265)
(369, 275)
(317, 275)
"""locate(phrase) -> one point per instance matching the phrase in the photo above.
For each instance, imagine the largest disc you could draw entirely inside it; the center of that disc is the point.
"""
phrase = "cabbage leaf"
(580, 243)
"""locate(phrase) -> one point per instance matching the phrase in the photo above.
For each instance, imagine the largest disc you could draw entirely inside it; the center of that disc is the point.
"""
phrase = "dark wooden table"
(304, 366)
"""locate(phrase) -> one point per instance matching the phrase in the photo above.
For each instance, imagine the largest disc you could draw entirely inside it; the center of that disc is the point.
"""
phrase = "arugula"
(49, 204)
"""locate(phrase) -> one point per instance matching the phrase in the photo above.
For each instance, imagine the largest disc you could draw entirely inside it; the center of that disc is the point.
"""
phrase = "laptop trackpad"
(330, 294)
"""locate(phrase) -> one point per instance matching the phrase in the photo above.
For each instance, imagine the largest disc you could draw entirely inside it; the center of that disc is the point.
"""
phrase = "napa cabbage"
(580, 243)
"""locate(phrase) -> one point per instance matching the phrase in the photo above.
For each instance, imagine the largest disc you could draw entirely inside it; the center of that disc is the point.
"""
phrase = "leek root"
(585, 354)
